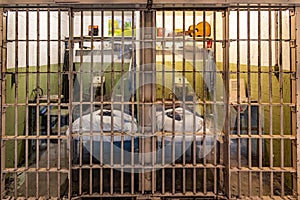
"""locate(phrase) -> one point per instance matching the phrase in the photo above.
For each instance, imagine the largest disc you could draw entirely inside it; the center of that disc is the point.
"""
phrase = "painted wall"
(32, 35)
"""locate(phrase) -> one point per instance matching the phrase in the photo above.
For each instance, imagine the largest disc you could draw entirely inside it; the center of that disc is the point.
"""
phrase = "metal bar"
(293, 52)
(260, 148)
(227, 172)
(38, 101)
(16, 100)
(3, 44)
(184, 107)
(133, 97)
(216, 145)
(271, 99)
(173, 99)
(71, 46)
(249, 98)
(204, 104)
(298, 99)
(163, 97)
(92, 97)
(80, 99)
(26, 100)
(122, 105)
(239, 157)
(147, 93)
(142, 100)
(113, 100)
(59, 101)
(101, 99)
(48, 100)
(281, 101)
(153, 99)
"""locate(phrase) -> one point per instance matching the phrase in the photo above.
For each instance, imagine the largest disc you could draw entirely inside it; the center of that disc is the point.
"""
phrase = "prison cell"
(183, 102)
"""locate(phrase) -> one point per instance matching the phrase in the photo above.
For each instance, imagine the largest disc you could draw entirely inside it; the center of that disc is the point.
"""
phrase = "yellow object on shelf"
(199, 29)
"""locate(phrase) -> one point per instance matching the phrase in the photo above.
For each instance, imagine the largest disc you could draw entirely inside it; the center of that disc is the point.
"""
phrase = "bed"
(114, 122)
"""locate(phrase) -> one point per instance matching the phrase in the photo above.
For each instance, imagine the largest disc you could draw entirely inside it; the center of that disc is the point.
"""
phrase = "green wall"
(19, 128)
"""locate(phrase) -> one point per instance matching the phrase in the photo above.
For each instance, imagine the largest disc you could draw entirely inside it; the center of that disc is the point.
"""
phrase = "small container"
(93, 30)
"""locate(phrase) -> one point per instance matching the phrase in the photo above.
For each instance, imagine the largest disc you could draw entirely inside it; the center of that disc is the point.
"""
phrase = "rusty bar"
(194, 108)
(16, 100)
(259, 141)
(249, 97)
(48, 100)
(38, 101)
(298, 98)
(26, 100)
(142, 100)
(122, 100)
(271, 99)
(281, 102)
(133, 80)
(59, 101)
(227, 172)
(101, 99)
(205, 109)
(184, 107)
(113, 101)
(215, 148)
(163, 98)
(3, 43)
(293, 68)
(153, 100)
(81, 99)
(147, 68)
(92, 98)
(239, 101)
(70, 106)
(173, 99)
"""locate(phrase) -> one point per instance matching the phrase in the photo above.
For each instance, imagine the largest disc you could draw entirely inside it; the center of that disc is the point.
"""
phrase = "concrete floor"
(54, 184)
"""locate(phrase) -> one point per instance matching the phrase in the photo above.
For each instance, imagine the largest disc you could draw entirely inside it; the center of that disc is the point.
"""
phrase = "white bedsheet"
(122, 122)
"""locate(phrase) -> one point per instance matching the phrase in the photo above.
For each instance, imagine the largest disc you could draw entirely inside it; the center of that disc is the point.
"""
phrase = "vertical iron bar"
(195, 100)
(153, 99)
(173, 101)
(70, 106)
(163, 99)
(59, 102)
(249, 96)
(48, 101)
(271, 100)
(112, 103)
(260, 151)
(122, 103)
(205, 91)
(281, 103)
(184, 107)
(92, 99)
(16, 100)
(216, 143)
(26, 101)
(227, 172)
(133, 95)
(298, 97)
(80, 150)
(37, 103)
(101, 99)
(293, 68)
(3, 44)
(239, 102)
